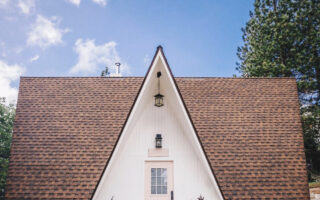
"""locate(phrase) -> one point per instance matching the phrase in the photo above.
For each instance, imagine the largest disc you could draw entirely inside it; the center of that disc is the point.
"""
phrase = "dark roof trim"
(121, 77)
(194, 128)
(159, 48)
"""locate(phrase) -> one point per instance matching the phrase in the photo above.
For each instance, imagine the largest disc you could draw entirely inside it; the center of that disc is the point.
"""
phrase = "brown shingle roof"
(66, 128)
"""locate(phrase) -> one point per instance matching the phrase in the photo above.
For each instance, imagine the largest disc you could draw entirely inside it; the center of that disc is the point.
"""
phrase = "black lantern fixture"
(158, 97)
(158, 141)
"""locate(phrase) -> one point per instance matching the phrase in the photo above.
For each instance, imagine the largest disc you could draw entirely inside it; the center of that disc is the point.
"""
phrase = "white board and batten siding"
(124, 177)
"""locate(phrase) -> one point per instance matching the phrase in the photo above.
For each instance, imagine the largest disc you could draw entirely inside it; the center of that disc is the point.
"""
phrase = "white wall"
(124, 178)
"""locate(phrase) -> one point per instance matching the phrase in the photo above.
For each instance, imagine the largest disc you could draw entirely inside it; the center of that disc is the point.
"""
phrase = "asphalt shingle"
(66, 128)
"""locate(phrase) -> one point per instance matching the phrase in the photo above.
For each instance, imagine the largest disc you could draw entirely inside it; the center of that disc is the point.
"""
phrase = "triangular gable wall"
(127, 143)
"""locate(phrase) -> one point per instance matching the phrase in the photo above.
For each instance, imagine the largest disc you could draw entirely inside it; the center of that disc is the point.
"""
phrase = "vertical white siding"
(125, 177)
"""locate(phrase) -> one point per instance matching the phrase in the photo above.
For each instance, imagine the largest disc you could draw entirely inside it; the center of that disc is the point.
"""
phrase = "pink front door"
(158, 180)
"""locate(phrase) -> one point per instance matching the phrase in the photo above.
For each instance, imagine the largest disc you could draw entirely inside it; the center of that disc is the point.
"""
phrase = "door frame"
(147, 178)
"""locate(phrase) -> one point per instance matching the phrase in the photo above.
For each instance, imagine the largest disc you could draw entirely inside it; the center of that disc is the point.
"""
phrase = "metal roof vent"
(117, 73)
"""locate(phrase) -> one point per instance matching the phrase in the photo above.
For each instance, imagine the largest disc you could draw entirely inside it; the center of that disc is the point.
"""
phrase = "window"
(158, 180)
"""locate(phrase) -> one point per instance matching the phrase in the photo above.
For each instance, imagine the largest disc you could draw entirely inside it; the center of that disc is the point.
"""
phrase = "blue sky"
(81, 37)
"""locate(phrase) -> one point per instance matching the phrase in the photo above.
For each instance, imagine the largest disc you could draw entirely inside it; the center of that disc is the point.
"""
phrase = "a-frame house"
(157, 137)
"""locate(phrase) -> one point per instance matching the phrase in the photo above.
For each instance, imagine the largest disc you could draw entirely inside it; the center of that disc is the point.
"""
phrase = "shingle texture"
(66, 128)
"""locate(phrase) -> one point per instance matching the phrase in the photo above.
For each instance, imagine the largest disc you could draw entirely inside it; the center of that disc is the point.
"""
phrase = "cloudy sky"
(81, 37)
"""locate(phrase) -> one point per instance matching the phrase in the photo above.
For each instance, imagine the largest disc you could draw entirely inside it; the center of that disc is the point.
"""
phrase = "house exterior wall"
(125, 177)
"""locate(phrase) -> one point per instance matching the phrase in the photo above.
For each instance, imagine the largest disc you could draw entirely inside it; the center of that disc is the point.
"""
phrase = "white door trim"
(168, 164)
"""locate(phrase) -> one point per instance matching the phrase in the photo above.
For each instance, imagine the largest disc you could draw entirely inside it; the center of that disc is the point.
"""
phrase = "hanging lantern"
(158, 97)
(158, 100)
(158, 141)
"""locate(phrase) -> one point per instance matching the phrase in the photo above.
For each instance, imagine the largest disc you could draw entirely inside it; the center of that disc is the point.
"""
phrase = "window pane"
(164, 172)
(153, 181)
(158, 180)
(164, 189)
(153, 172)
(153, 190)
(158, 171)
(164, 181)
(158, 189)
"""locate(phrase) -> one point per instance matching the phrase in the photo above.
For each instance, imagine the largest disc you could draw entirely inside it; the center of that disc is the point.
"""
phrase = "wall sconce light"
(158, 141)
(158, 97)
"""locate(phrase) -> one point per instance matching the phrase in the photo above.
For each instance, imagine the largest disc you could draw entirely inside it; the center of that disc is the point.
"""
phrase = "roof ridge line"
(80, 77)
(191, 77)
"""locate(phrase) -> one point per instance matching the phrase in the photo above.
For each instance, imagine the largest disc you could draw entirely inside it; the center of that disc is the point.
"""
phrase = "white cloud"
(18, 49)
(100, 2)
(5, 50)
(4, 3)
(45, 32)
(8, 74)
(34, 58)
(26, 6)
(75, 2)
(92, 58)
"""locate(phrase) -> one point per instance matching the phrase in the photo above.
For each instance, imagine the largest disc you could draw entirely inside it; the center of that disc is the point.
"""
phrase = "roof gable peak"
(159, 64)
